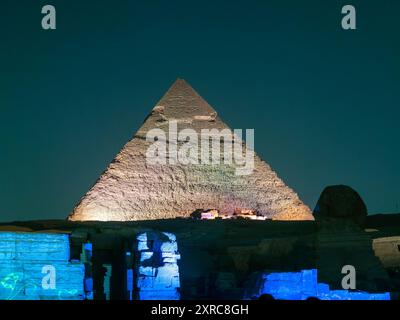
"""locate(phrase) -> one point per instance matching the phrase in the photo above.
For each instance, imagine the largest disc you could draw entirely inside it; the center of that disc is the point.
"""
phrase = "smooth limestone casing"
(131, 189)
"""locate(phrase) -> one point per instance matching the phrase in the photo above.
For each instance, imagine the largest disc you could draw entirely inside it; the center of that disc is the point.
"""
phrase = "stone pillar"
(157, 271)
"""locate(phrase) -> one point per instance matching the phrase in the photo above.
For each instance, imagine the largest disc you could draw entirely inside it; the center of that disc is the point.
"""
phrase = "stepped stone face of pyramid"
(133, 189)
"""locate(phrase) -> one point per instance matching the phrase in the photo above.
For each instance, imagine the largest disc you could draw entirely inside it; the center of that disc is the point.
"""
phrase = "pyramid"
(131, 188)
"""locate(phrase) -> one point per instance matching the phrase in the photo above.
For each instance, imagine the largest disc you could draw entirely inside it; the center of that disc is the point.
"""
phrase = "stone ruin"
(218, 259)
(157, 266)
(37, 266)
(301, 285)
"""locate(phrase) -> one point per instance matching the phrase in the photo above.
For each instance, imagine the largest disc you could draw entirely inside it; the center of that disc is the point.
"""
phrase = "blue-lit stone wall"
(302, 285)
(36, 266)
(152, 272)
(157, 269)
(86, 259)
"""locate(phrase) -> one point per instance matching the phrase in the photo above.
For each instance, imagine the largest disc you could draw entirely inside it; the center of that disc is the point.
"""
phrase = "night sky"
(324, 102)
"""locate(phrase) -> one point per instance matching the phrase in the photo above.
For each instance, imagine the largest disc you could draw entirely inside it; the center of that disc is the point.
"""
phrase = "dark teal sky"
(324, 102)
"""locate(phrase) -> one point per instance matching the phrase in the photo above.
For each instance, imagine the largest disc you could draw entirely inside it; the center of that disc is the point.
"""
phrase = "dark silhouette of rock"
(341, 202)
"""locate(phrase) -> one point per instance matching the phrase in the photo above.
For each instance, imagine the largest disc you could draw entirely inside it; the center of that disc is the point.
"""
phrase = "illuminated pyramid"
(131, 188)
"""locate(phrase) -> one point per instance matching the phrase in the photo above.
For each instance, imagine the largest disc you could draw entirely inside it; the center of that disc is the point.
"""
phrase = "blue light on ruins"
(158, 271)
(36, 266)
(129, 275)
(86, 258)
(88, 247)
(302, 285)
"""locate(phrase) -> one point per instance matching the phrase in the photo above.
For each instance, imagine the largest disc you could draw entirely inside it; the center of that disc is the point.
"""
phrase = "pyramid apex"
(182, 101)
(181, 81)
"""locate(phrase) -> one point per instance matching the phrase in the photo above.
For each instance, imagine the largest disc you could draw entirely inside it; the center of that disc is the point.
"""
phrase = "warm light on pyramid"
(132, 189)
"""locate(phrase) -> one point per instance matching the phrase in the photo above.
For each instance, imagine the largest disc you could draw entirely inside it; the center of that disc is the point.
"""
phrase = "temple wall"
(302, 285)
(191, 259)
(157, 270)
(28, 260)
